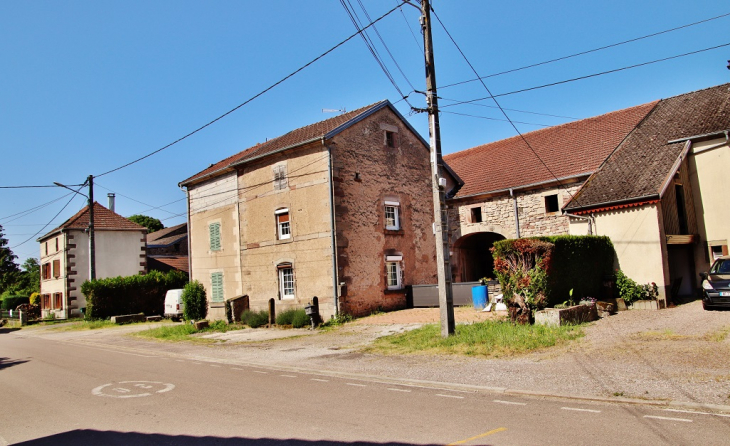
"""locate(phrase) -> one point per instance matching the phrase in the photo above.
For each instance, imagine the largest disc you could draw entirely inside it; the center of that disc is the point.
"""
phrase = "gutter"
(335, 289)
(590, 221)
(616, 202)
(517, 213)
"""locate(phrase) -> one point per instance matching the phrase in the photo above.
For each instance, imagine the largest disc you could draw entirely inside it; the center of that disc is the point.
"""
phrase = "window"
(280, 181)
(394, 272)
(56, 244)
(56, 269)
(216, 286)
(392, 215)
(283, 225)
(46, 301)
(717, 251)
(215, 236)
(46, 271)
(58, 301)
(46, 248)
(286, 281)
(551, 203)
(476, 215)
(390, 139)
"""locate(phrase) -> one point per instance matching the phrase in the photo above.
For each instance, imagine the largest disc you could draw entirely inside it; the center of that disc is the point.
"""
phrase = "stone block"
(128, 318)
(199, 325)
(565, 316)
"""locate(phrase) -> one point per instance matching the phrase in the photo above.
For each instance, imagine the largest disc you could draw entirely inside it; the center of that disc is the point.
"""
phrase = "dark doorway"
(473, 257)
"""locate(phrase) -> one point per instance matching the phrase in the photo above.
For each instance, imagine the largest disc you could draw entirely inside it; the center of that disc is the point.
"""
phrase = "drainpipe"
(516, 211)
(590, 221)
(335, 289)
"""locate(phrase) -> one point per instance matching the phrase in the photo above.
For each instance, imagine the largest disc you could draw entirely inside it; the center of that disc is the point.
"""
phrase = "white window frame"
(286, 281)
(394, 272)
(283, 228)
(395, 206)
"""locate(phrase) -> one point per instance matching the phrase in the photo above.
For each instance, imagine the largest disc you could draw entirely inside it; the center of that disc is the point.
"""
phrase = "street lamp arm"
(75, 191)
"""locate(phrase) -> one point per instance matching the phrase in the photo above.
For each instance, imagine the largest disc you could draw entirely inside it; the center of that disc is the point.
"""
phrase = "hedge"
(195, 304)
(130, 295)
(11, 302)
(577, 262)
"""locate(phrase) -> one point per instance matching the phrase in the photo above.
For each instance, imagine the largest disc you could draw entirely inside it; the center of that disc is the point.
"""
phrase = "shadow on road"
(8, 330)
(86, 436)
(7, 362)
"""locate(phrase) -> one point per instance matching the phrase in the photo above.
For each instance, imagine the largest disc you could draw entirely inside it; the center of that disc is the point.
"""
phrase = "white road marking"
(180, 360)
(132, 389)
(581, 410)
(320, 380)
(215, 365)
(235, 368)
(288, 376)
(356, 385)
(259, 371)
(698, 413)
(510, 402)
(398, 390)
(684, 420)
(450, 396)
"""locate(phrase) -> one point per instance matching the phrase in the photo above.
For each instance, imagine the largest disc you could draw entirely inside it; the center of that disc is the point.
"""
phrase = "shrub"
(12, 302)
(630, 291)
(196, 304)
(287, 317)
(130, 295)
(35, 299)
(300, 319)
(255, 319)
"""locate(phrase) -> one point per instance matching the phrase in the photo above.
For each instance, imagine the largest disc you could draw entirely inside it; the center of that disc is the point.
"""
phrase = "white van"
(174, 304)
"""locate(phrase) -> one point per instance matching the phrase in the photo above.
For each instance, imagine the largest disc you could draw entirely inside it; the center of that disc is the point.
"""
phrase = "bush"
(12, 302)
(130, 295)
(296, 317)
(300, 319)
(630, 291)
(35, 299)
(255, 319)
(196, 304)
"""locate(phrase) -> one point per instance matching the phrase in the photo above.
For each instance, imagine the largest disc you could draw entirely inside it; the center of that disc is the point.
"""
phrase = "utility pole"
(443, 261)
(92, 242)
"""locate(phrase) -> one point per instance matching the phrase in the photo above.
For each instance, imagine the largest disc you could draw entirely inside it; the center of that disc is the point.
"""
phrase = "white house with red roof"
(120, 246)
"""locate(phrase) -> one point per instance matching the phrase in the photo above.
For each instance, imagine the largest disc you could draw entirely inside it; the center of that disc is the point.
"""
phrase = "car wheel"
(706, 307)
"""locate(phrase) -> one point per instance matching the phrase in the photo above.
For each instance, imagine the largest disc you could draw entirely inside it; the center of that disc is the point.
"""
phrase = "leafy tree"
(194, 301)
(8, 268)
(151, 223)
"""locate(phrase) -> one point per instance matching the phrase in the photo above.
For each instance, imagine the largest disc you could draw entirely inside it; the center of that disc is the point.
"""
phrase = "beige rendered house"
(516, 187)
(662, 194)
(120, 251)
(340, 210)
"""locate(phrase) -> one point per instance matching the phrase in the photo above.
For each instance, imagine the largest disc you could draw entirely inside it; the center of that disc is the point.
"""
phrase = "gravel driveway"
(678, 354)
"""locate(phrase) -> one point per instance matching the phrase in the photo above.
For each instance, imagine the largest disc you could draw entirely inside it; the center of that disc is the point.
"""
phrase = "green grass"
(80, 324)
(490, 339)
(185, 332)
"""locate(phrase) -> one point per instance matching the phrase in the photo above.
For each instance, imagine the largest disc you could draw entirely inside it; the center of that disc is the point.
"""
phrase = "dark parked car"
(716, 285)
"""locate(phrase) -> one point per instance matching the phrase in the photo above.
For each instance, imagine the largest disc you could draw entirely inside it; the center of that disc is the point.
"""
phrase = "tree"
(8, 268)
(151, 223)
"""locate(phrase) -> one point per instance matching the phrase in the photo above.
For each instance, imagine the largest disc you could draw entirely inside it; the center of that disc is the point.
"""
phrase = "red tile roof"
(568, 150)
(165, 264)
(104, 220)
(168, 236)
(292, 139)
(637, 169)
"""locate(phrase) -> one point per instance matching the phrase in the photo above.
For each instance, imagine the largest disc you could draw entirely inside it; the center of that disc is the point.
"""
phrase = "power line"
(587, 52)
(251, 98)
(408, 25)
(137, 201)
(498, 105)
(33, 187)
(51, 221)
(552, 84)
(31, 210)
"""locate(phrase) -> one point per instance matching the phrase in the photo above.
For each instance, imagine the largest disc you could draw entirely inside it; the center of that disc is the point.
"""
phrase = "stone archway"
(472, 257)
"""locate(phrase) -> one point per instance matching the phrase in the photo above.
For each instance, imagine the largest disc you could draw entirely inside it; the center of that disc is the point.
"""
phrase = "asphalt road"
(56, 392)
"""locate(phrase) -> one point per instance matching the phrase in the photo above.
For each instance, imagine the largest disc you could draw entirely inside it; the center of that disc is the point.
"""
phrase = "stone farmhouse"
(119, 251)
(339, 210)
(661, 196)
(516, 187)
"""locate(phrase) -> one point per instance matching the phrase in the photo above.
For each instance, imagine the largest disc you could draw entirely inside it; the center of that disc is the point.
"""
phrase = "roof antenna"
(334, 110)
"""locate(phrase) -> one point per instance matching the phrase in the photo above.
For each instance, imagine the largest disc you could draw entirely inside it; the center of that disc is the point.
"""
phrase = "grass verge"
(187, 332)
(490, 339)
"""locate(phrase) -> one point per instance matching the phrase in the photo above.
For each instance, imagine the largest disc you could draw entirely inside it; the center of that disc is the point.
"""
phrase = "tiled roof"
(104, 219)
(568, 150)
(167, 263)
(168, 236)
(294, 138)
(641, 164)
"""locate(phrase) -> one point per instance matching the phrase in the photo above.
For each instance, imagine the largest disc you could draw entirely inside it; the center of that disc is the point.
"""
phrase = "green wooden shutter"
(216, 280)
(215, 236)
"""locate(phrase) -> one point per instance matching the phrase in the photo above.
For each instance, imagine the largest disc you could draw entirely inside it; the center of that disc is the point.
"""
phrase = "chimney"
(111, 201)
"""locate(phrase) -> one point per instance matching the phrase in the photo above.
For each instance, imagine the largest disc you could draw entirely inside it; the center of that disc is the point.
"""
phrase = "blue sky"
(87, 86)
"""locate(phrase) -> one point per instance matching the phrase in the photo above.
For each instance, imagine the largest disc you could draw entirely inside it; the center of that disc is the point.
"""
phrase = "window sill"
(398, 291)
(284, 240)
(217, 304)
(394, 232)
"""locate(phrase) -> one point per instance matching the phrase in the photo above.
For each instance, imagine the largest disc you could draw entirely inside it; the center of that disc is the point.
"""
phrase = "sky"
(89, 86)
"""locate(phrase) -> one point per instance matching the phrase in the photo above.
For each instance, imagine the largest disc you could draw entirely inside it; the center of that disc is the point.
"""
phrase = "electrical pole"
(441, 230)
(92, 242)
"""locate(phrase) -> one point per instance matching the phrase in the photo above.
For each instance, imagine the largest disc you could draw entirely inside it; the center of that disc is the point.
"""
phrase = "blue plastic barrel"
(479, 296)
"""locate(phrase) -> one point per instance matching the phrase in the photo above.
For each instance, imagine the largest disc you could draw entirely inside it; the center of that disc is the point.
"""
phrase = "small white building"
(120, 250)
